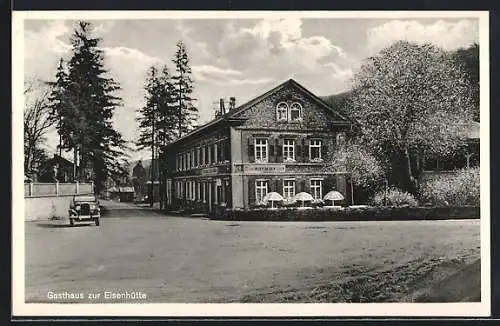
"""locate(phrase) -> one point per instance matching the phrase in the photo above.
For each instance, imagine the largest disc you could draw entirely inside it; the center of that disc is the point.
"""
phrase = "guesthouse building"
(278, 141)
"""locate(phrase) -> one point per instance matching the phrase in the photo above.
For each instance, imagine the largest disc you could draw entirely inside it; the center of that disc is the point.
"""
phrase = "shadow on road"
(55, 226)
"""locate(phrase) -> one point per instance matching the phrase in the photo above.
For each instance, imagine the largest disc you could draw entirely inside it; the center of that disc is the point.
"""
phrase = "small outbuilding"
(126, 194)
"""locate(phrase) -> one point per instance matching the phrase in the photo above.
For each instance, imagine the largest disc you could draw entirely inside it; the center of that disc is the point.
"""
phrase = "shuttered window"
(261, 187)
(315, 149)
(316, 188)
(289, 149)
(219, 154)
(207, 154)
(288, 188)
(261, 152)
(227, 150)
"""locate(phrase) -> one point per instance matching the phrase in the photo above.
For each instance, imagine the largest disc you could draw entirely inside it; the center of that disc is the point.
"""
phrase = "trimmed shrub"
(351, 214)
(458, 189)
(395, 198)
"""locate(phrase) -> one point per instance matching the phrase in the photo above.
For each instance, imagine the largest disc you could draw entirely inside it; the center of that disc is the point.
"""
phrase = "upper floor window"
(315, 150)
(289, 150)
(282, 111)
(261, 150)
(207, 154)
(295, 111)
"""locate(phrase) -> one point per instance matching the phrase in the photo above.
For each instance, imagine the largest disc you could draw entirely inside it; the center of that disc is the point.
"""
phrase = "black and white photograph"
(288, 163)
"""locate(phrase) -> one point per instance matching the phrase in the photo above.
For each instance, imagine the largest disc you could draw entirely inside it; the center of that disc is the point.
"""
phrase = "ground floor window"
(169, 191)
(260, 190)
(288, 188)
(316, 185)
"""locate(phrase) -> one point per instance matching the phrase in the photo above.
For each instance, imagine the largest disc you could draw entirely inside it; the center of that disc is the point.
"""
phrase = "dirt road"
(178, 259)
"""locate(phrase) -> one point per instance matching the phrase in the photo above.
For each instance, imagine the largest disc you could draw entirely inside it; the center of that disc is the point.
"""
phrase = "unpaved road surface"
(179, 259)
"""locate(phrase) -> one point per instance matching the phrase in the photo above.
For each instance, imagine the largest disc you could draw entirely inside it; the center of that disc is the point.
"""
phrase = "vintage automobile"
(84, 208)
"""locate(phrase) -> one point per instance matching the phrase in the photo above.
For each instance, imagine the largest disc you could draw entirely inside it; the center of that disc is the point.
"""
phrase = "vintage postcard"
(251, 164)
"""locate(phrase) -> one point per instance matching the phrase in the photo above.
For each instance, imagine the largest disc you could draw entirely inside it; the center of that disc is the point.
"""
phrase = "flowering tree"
(354, 159)
(408, 99)
(364, 170)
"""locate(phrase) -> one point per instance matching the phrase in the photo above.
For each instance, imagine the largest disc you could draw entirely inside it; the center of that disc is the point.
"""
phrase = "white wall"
(47, 207)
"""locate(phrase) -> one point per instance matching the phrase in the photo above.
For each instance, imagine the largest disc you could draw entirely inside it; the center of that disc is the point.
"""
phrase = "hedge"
(352, 214)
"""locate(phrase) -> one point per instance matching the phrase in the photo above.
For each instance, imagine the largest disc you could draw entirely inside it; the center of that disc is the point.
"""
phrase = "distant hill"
(339, 102)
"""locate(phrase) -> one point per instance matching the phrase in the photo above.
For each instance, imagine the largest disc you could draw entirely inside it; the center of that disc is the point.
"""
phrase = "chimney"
(221, 106)
(232, 103)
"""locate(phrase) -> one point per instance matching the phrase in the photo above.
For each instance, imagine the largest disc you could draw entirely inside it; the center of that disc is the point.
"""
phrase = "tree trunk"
(29, 158)
(410, 179)
(180, 102)
(151, 199)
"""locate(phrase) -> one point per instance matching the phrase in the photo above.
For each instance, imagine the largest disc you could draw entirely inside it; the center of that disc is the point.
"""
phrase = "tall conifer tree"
(85, 105)
(187, 113)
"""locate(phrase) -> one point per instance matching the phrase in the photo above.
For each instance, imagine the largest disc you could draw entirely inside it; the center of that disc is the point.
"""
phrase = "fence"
(57, 189)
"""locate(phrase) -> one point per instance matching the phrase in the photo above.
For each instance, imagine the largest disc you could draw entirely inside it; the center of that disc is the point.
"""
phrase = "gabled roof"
(233, 114)
(57, 158)
(287, 83)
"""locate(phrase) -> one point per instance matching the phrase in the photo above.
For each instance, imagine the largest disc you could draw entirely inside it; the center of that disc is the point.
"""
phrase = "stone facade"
(277, 142)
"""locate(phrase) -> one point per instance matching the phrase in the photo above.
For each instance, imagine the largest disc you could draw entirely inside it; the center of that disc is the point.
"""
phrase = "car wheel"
(97, 222)
(71, 222)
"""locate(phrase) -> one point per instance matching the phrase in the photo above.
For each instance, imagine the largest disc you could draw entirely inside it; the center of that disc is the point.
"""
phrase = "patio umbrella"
(272, 197)
(333, 195)
(303, 197)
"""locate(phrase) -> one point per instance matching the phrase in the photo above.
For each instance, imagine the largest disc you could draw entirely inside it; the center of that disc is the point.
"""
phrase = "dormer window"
(295, 112)
(282, 111)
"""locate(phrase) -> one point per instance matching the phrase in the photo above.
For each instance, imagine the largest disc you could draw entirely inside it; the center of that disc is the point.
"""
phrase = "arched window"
(281, 111)
(295, 111)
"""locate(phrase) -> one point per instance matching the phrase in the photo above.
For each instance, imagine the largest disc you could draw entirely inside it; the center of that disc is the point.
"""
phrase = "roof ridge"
(238, 110)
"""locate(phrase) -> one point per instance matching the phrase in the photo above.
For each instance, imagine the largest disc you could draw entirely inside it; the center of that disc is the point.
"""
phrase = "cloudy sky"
(235, 57)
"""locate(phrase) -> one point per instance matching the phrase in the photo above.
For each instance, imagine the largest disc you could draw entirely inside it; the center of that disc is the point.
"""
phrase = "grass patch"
(421, 280)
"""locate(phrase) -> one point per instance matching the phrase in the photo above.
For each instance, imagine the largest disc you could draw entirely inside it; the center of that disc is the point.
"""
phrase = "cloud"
(447, 34)
(275, 46)
(210, 72)
(48, 39)
(244, 81)
(129, 67)
(45, 45)
(281, 49)
(104, 27)
(339, 72)
(197, 49)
